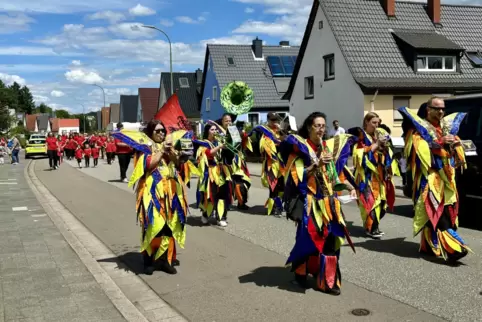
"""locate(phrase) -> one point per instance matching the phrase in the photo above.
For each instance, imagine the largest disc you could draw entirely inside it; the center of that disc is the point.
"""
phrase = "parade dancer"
(433, 153)
(161, 204)
(213, 189)
(311, 200)
(374, 168)
(240, 176)
(272, 168)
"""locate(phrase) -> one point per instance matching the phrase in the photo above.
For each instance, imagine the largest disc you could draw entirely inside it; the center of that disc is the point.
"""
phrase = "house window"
(329, 66)
(183, 82)
(208, 104)
(436, 63)
(309, 87)
(215, 93)
(399, 101)
(475, 58)
(320, 24)
(253, 119)
(230, 61)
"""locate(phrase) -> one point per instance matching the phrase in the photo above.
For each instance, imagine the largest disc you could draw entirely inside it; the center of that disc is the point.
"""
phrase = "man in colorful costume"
(434, 152)
(161, 202)
(272, 168)
(311, 200)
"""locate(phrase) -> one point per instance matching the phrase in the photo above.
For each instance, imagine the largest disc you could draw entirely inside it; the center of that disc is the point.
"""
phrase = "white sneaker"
(222, 223)
(125, 180)
(204, 220)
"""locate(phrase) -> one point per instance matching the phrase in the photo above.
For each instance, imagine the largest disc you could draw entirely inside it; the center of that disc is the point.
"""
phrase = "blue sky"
(60, 47)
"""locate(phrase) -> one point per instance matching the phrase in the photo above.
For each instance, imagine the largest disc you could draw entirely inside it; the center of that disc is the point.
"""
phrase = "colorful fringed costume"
(311, 201)
(213, 189)
(161, 196)
(373, 179)
(272, 168)
(432, 166)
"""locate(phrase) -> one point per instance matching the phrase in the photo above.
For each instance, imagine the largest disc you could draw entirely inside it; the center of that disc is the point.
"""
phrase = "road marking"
(19, 208)
(8, 183)
(37, 216)
(8, 180)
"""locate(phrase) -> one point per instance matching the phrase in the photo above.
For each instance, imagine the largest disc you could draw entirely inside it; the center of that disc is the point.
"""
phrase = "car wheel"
(27, 156)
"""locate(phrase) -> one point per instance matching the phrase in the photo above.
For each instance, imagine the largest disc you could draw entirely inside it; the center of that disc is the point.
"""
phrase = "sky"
(59, 48)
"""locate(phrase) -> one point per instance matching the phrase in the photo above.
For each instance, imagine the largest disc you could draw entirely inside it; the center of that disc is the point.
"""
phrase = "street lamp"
(170, 58)
(83, 113)
(102, 91)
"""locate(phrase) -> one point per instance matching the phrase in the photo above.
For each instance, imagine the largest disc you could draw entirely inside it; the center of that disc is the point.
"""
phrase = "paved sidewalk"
(42, 278)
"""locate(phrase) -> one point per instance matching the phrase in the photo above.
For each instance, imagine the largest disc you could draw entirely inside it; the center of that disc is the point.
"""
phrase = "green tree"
(15, 90)
(43, 108)
(6, 102)
(25, 101)
(62, 114)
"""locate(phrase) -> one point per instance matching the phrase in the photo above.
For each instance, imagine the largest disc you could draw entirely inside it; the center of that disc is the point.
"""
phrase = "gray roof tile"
(189, 97)
(256, 73)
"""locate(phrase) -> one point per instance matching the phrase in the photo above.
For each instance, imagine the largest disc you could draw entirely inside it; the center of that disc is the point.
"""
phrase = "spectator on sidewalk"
(3, 153)
(337, 129)
(124, 154)
(52, 148)
(15, 150)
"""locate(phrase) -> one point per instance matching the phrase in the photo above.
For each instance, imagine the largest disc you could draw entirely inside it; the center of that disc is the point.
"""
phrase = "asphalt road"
(237, 273)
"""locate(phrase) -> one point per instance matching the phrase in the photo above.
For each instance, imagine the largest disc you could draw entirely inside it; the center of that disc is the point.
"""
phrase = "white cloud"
(166, 23)
(231, 40)
(108, 15)
(12, 23)
(132, 30)
(10, 79)
(83, 76)
(40, 99)
(249, 10)
(56, 93)
(140, 10)
(29, 68)
(27, 51)
(76, 62)
(189, 20)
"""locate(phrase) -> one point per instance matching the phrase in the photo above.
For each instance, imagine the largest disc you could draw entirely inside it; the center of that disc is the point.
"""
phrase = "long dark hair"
(304, 131)
(151, 126)
(207, 127)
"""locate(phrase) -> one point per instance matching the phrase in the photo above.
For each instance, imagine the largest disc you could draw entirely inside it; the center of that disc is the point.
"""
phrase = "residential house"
(382, 55)
(31, 123)
(105, 111)
(129, 108)
(148, 103)
(267, 70)
(43, 123)
(187, 86)
(98, 118)
(64, 126)
(114, 116)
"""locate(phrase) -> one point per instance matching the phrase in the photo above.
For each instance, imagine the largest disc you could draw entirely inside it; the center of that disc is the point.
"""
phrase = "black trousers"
(110, 157)
(96, 160)
(52, 154)
(87, 161)
(124, 160)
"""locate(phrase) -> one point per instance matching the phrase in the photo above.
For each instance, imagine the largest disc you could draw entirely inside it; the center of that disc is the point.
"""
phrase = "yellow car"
(36, 146)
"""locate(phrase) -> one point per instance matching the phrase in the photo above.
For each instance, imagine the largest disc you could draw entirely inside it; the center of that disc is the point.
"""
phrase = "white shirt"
(338, 131)
(403, 164)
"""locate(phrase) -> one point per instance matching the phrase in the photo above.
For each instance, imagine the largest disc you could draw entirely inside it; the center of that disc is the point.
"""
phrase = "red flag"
(172, 116)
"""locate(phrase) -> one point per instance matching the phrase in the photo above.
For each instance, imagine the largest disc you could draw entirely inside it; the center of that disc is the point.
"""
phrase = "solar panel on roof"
(288, 65)
(275, 66)
(475, 58)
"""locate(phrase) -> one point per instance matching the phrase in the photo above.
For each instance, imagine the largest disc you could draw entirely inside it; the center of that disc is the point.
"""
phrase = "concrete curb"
(146, 305)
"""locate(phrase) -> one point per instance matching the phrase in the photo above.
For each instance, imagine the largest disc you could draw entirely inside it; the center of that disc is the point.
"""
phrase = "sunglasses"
(160, 131)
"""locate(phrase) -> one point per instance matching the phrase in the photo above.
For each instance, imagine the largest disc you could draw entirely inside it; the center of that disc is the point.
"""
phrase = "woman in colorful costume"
(161, 203)
(272, 168)
(240, 176)
(213, 190)
(374, 169)
(311, 199)
(434, 152)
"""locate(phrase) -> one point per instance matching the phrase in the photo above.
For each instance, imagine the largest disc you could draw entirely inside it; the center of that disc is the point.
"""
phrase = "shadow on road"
(114, 180)
(403, 210)
(355, 231)
(276, 276)
(396, 246)
(195, 222)
(253, 210)
(130, 261)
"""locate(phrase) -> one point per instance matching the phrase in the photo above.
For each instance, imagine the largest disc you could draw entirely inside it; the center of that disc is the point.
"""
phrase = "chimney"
(258, 48)
(389, 7)
(433, 9)
(199, 76)
(284, 43)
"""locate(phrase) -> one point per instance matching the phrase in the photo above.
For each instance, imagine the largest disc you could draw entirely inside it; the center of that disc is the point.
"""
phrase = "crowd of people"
(9, 149)
(306, 175)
